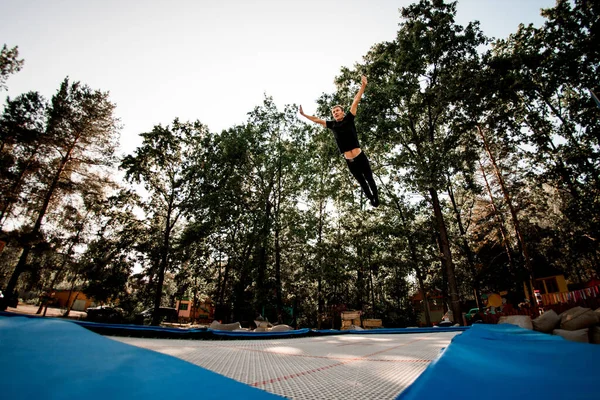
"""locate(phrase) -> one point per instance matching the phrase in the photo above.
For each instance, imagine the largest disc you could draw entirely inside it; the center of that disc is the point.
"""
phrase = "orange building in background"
(203, 312)
(435, 305)
(62, 299)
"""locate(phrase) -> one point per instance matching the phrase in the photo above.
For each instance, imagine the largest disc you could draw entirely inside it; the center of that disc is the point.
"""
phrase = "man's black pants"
(361, 169)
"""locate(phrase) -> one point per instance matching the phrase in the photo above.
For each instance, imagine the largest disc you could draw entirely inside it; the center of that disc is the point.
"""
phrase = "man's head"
(338, 112)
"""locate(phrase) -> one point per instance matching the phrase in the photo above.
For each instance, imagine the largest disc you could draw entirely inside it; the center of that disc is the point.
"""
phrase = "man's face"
(338, 113)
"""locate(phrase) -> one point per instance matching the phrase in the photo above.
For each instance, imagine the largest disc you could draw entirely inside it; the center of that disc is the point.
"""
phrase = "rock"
(524, 321)
(578, 318)
(546, 322)
(580, 335)
(216, 325)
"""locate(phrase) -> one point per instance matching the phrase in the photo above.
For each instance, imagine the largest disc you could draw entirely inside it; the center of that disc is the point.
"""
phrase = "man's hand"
(354, 106)
(313, 119)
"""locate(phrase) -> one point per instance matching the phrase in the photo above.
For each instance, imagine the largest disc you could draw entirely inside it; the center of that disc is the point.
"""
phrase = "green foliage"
(9, 64)
(543, 126)
(25, 145)
(107, 262)
(161, 165)
(264, 218)
(58, 159)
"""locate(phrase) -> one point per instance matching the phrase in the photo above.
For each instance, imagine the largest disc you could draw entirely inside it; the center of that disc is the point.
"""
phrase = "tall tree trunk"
(320, 256)
(500, 220)
(69, 302)
(415, 260)
(222, 282)
(261, 295)
(50, 287)
(465, 246)
(424, 296)
(65, 260)
(372, 292)
(278, 295)
(164, 259)
(194, 307)
(447, 257)
(371, 284)
(224, 276)
(277, 227)
(445, 296)
(33, 235)
(513, 212)
(361, 281)
(278, 275)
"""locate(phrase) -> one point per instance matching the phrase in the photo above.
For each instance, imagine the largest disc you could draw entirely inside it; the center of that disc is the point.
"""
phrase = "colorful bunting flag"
(575, 295)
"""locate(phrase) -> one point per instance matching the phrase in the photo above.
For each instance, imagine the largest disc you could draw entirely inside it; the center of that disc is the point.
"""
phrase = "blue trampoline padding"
(48, 358)
(212, 334)
(128, 329)
(508, 362)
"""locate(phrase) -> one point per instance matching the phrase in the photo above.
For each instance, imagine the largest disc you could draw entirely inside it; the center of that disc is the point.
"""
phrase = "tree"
(411, 105)
(160, 164)
(275, 157)
(83, 129)
(9, 64)
(106, 264)
(24, 147)
(536, 122)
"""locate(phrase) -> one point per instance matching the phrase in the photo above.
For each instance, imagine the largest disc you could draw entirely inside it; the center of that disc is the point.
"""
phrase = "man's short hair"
(336, 106)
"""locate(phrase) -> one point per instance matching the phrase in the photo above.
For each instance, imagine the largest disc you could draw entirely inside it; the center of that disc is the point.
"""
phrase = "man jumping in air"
(344, 132)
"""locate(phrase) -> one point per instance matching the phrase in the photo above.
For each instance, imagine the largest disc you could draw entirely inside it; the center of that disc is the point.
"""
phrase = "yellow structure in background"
(204, 309)
(548, 285)
(64, 298)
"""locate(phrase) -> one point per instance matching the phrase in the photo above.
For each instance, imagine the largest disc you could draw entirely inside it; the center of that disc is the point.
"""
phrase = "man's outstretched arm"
(363, 85)
(313, 119)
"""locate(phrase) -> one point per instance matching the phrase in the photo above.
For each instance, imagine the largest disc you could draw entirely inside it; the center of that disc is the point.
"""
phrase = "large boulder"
(281, 328)
(524, 321)
(216, 325)
(546, 322)
(580, 335)
(262, 324)
(578, 318)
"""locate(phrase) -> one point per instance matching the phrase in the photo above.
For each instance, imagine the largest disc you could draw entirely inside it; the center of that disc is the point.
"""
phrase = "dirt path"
(51, 312)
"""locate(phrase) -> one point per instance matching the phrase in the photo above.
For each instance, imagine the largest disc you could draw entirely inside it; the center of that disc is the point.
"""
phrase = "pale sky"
(210, 60)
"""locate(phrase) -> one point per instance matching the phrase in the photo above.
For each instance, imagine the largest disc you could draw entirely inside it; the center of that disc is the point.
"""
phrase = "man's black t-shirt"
(344, 132)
